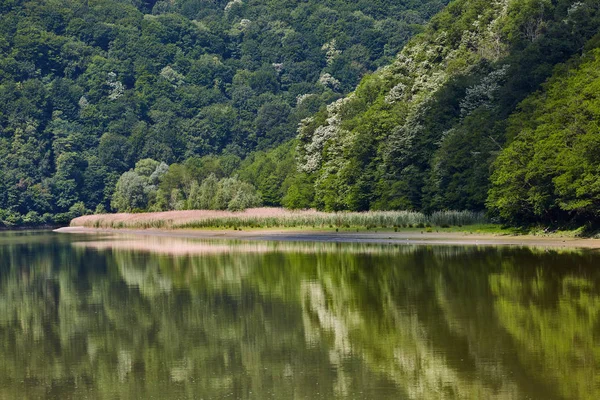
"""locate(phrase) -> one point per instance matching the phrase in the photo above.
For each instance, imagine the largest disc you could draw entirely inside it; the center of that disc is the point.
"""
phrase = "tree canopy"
(423, 132)
(87, 89)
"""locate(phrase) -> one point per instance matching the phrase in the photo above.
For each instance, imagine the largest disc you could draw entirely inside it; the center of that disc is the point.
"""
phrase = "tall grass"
(260, 218)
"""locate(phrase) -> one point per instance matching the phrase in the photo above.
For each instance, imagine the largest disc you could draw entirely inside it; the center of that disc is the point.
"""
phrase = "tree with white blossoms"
(396, 94)
(116, 87)
(386, 147)
(278, 67)
(301, 98)
(244, 23)
(329, 81)
(233, 3)
(483, 94)
(331, 52)
(312, 142)
(83, 102)
(175, 78)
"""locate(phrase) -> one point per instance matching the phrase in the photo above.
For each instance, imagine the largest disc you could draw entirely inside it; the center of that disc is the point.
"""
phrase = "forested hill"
(133, 106)
(424, 132)
(88, 88)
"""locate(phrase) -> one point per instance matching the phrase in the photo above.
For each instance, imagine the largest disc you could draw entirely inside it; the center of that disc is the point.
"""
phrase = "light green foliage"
(272, 172)
(146, 167)
(300, 194)
(194, 201)
(235, 195)
(202, 195)
(153, 186)
(130, 193)
(225, 194)
(208, 191)
(32, 218)
(551, 170)
(136, 189)
(244, 198)
(78, 209)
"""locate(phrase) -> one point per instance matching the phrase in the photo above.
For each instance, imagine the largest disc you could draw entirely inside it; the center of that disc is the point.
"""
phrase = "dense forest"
(131, 106)
(424, 132)
(89, 88)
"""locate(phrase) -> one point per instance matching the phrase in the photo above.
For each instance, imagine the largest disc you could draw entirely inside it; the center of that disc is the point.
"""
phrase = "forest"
(492, 108)
(111, 106)
(88, 89)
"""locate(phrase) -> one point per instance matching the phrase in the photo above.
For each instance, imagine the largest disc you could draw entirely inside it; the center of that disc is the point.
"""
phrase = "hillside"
(89, 88)
(331, 105)
(550, 171)
(423, 132)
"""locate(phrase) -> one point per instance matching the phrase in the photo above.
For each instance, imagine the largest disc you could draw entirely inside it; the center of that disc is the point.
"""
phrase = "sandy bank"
(425, 238)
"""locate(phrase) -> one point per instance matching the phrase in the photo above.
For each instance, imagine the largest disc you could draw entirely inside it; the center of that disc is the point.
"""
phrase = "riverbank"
(276, 224)
(39, 227)
(279, 218)
(380, 236)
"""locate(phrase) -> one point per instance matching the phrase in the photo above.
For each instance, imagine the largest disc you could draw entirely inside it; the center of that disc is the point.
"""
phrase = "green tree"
(130, 193)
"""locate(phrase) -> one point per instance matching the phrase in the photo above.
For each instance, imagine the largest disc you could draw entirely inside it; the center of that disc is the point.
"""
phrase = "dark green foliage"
(87, 89)
(274, 174)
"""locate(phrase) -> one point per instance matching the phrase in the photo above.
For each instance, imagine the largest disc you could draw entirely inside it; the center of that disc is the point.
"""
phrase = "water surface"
(135, 317)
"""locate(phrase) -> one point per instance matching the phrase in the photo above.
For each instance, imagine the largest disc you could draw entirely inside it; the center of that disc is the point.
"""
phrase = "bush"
(32, 218)
(62, 218)
(78, 209)
(246, 197)
(226, 194)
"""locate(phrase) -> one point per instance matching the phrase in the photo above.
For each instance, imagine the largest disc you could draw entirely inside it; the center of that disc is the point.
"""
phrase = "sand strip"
(425, 238)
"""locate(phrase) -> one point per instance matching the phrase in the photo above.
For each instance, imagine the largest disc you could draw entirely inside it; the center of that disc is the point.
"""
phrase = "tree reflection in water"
(107, 317)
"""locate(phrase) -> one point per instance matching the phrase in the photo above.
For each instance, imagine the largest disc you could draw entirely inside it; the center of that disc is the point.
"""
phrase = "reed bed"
(279, 218)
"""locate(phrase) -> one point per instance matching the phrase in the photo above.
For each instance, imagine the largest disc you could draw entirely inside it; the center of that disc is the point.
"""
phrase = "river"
(103, 316)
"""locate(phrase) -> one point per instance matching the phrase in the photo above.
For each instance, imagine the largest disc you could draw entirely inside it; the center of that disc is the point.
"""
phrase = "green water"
(120, 317)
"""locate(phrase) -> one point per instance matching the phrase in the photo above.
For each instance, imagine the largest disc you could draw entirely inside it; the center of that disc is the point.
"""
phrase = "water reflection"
(127, 317)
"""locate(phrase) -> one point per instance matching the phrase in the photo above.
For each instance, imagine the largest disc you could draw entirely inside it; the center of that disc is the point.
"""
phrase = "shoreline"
(30, 227)
(380, 237)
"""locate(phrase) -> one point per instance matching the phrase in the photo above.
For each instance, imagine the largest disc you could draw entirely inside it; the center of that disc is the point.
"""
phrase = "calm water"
(122, 317)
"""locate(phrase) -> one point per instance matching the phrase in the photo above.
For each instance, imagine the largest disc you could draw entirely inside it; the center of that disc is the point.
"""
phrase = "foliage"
(219, 88)
(235, 195)
(423, 132)
(136, 188)
(88, 90)
(551, 169)
(154, 186)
